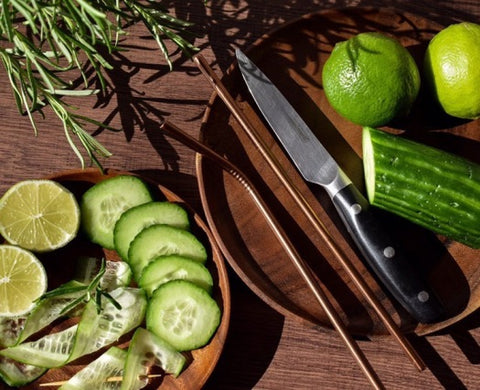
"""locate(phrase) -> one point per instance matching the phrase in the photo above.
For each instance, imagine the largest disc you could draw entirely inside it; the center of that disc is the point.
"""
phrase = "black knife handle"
(386, 258)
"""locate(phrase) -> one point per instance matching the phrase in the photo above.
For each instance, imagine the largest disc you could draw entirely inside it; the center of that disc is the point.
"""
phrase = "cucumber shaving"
(94, 331)
(146, 350)
(49, 351)
(10, 330)
(96, 375)
(16, 374)
(50, 309)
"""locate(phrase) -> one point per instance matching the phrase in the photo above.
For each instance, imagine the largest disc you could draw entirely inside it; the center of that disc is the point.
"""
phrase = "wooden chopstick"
(299, 263)
(300, 200)
(111, 379)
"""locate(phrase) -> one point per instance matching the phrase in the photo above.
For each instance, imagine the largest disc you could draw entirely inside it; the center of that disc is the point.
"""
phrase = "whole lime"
(371, 79)
(452, 69)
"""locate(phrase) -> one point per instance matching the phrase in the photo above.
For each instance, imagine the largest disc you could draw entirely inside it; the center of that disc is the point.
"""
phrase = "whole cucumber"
(430, 187)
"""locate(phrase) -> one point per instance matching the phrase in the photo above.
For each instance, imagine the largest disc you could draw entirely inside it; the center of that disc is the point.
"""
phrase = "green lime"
(371, 79)
(22, 280)
(452, 68)
(39, 215)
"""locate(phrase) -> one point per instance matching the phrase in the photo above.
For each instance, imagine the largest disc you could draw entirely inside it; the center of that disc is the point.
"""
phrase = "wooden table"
(264, 350)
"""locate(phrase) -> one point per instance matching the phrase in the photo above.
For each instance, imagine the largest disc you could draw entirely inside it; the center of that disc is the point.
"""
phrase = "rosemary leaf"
(41, 40)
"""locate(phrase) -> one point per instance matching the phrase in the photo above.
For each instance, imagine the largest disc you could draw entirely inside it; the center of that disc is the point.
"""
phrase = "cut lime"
(39, 215)
(22, 280)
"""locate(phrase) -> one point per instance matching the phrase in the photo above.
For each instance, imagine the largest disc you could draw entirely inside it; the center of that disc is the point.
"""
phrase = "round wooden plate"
(292, 57)
(201, 362)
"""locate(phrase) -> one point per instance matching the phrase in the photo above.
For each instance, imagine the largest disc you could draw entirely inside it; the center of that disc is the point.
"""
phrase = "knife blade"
(379, 249)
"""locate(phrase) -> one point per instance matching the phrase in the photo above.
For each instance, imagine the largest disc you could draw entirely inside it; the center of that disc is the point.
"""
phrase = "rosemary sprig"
(40, 40)
(92, 291)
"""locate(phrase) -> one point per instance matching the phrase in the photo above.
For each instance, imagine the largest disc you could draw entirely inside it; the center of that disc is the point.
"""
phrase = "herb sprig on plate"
(40, 40)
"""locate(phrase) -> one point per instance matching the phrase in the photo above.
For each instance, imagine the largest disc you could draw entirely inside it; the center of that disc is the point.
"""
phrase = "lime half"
(39, 215)
(22, 280)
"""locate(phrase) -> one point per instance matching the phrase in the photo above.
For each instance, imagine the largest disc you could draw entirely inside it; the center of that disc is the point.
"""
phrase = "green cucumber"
(96, 374)
(428, 186)
(183, 314)
(147, 349)
(162, 269)
(134, 220)
(102, 204)
(163, 240)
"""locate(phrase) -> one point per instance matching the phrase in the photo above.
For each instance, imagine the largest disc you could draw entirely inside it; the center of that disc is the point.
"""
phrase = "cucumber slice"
(430, 187)
(102, 205)
(165, 268)
(145, 350)
(134, 220)
(183, 314)
(96, 374)
(163, 240)
(16, 374)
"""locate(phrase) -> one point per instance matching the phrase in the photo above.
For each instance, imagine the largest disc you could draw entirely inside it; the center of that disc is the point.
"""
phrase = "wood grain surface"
(264, 349)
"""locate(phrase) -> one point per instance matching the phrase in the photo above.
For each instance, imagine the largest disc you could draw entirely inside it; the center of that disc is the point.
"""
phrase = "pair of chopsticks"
(303, 268)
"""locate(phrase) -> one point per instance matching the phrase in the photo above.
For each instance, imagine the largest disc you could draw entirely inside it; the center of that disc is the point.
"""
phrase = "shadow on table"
(460, 334)
(263, 16)
(255, 331)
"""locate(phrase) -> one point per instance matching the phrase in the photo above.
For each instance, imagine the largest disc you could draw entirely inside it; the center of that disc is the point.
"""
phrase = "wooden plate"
(292, 57)
(201, 362)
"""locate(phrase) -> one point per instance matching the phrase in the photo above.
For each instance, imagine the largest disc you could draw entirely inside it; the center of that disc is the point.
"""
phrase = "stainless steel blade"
(309, 156)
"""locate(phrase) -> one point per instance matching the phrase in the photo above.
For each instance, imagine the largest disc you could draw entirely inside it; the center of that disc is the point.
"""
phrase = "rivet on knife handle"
(387, 259)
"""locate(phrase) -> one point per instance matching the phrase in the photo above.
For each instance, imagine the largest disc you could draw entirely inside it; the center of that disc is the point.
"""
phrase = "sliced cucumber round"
(102, 205)
(165, 268)
(183, 314)
(163, 240)
(134, 220)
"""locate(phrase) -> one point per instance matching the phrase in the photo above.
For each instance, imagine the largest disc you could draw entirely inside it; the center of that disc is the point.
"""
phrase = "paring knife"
(381, 252)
